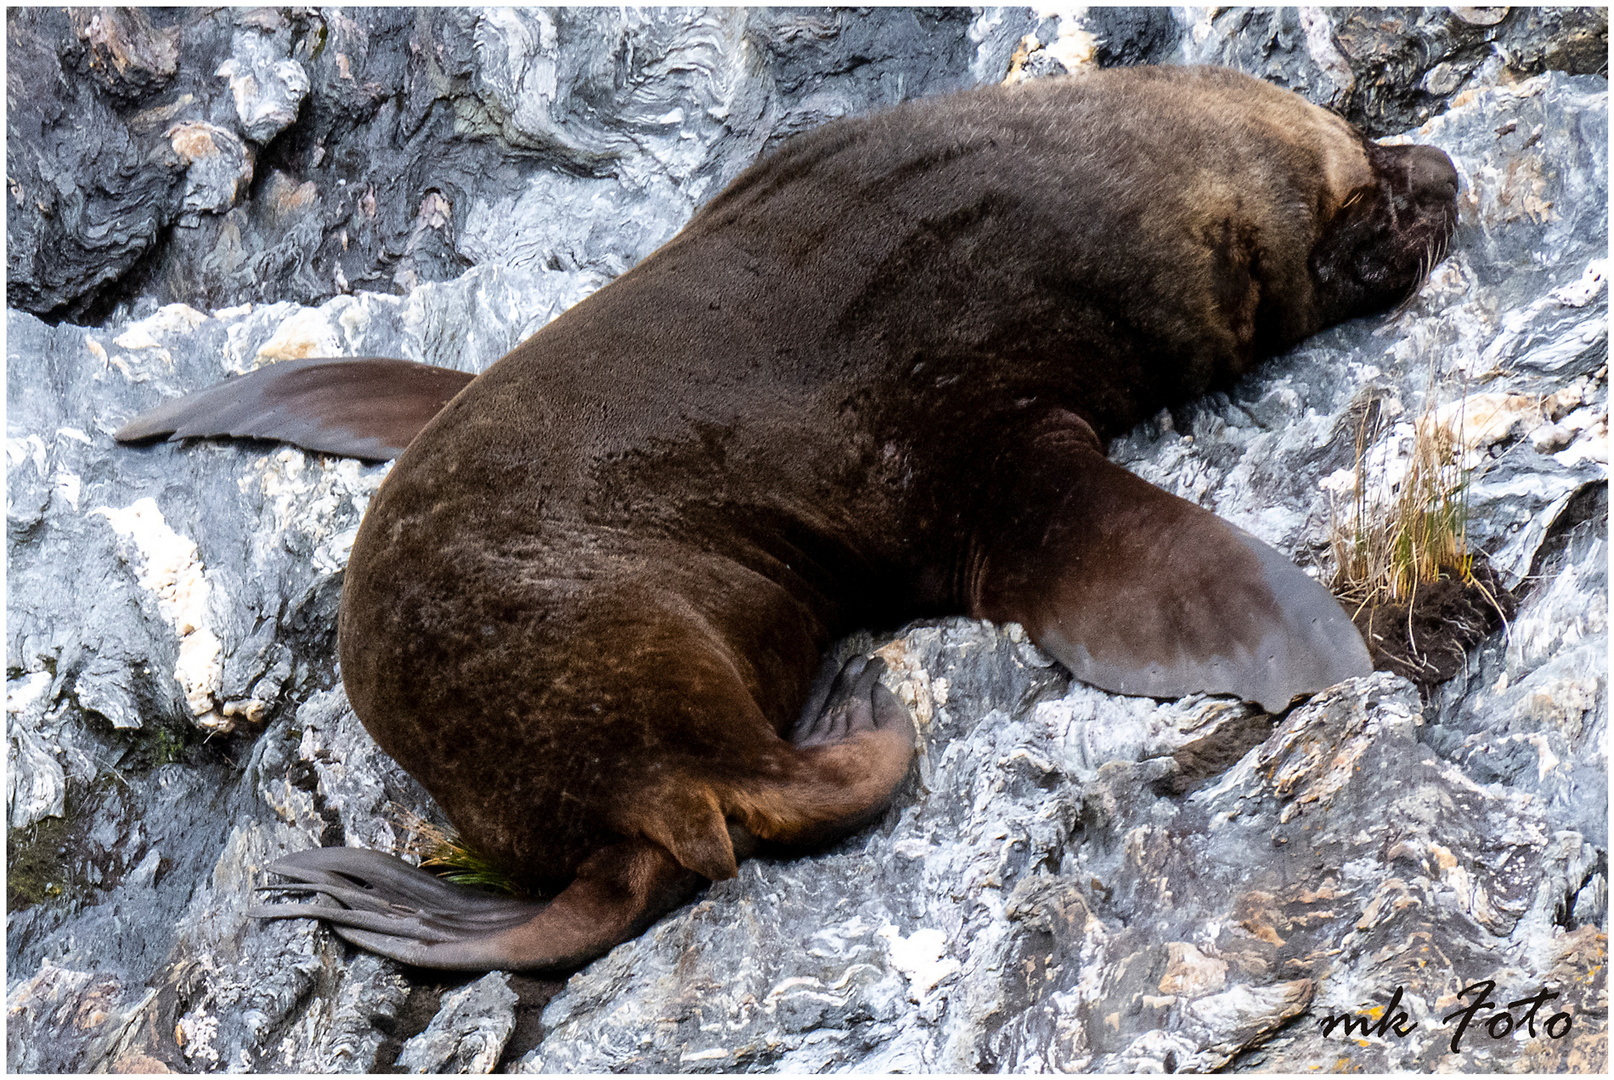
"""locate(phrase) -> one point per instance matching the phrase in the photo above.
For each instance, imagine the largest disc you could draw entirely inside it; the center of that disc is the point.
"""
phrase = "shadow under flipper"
(364, 407)
(399, 911)
(1140, 592)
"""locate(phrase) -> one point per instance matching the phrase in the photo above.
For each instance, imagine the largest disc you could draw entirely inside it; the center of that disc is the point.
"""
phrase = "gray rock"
(469, 1031)
(1387, 69)
(268, 86)
(427, 140)
(89, 194)
(1069, 879)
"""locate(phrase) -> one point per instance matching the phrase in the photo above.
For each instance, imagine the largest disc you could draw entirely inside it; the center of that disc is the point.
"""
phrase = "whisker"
(1426, 266)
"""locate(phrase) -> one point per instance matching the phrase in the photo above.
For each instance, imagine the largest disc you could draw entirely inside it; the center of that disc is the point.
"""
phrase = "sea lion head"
(1248, 216)
(1387, 233)
(1380, 216)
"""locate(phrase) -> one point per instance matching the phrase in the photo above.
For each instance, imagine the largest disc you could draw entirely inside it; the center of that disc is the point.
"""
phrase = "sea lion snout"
(1431, 176)
(1422, 183)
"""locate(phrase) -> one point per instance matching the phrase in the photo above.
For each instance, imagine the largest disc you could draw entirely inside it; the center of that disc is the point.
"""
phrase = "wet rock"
(1068, 879)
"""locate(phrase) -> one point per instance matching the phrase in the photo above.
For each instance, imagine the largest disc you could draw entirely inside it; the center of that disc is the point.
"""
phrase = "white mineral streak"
(1234, 1016)
(1324, 49)
(318, 496)
(1559, 619)
(168, 566)
(1482, 420)
(98, 351)
(987, 19)
(176, 319)
(146, 336)
(29, 449)
(921, 957)
(306, 333)
(520, 71)
(1593, 282)
(195, 1033)
(68, 485)
(1072, 46)
(138, 336)
(1591, 445)
(36, 784)
(248, 327)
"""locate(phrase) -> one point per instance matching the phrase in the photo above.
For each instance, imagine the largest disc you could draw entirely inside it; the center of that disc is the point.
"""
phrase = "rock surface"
(469, 1031)
(1069, 879)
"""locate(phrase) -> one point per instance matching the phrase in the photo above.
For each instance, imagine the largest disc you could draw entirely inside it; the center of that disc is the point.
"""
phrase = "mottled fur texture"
(870, 381)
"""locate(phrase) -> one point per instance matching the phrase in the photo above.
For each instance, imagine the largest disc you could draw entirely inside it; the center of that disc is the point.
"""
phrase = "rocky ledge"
(1069, 880)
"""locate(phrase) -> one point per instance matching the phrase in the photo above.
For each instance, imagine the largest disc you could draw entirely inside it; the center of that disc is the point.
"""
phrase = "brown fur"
(870, 381)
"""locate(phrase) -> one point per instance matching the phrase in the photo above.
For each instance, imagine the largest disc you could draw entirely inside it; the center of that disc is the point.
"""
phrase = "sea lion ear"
(1140, 592)
(368, 407)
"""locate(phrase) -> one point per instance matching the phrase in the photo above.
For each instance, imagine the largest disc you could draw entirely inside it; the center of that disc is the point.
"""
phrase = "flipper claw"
(402, 926)
(383, 895)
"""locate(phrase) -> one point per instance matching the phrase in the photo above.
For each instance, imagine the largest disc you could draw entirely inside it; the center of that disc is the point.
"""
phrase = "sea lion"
(872, 380)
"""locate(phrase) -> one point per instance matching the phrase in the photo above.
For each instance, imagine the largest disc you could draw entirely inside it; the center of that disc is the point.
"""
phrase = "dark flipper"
(849, 751)
(1140, 592)
(367, 407)
(396, 910)
(854, 701)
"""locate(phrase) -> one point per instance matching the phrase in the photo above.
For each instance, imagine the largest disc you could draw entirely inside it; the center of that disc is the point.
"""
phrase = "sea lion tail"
(362, 407)
(409, 915)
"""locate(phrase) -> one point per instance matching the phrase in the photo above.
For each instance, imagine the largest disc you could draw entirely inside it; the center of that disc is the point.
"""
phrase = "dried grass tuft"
(1398, 540)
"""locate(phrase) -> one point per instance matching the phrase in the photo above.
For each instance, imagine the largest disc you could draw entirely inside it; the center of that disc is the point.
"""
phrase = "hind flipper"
(398, 911)
(1140, 592)
(367, 407)
(848, 752)
(853, 701)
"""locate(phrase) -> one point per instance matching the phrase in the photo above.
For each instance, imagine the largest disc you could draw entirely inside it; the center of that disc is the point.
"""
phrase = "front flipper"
(1140, 592)
(398, 911)
(369, 407)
